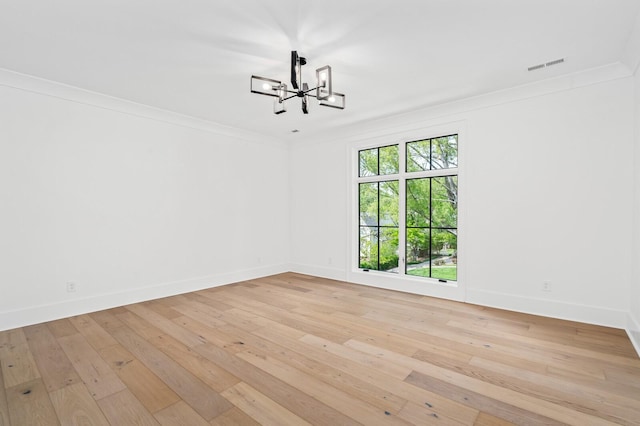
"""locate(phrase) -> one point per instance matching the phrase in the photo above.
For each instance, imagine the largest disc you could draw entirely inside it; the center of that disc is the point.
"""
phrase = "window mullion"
(372, 179)
(430, 227)
(434, 173)
(379, 227)
(402, 210)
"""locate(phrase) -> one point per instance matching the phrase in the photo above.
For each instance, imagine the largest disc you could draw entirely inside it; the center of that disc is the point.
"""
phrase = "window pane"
(388, 203)
(430, 207)
(418, 246)
(368, 160)
(369, 204)
(418, 194)
(389, 160)
(444, 152)
(444, 249)
(418, 156)
(368, 247)
(444, 202)
(389, 249)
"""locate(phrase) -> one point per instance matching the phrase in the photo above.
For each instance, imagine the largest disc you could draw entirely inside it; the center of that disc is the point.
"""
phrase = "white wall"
(549, 198)
(546, 184)
(127, 207)
(132, 204)
(634, 318)
(319, 209)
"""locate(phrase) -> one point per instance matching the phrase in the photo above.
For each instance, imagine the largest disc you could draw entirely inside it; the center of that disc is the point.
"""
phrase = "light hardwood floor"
(295, 350)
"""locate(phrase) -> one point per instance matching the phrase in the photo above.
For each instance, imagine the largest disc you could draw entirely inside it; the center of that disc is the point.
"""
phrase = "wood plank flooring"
(293, 349)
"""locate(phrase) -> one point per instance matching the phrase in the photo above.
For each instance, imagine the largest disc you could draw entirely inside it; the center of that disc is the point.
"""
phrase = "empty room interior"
(328, 213)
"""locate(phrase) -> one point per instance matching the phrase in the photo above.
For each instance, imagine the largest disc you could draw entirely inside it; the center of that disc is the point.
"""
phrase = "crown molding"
(29, 83)
(456, 110)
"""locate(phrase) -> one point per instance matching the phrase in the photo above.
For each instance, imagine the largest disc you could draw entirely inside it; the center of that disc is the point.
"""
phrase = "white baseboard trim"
(319, 271)
(573, 312)
(544, 307)
(549, 308)
(43, 313)
(633, 331)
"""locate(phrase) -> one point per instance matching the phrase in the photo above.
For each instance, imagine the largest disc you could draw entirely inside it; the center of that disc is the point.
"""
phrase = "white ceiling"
(195, 57)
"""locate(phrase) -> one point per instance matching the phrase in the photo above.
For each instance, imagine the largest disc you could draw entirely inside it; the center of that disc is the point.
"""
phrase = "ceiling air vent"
(548, 64)
(536, 67)
(556, 62)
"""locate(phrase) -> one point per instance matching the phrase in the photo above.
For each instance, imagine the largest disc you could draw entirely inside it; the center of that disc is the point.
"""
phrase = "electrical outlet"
(71, 287)
(546, 286)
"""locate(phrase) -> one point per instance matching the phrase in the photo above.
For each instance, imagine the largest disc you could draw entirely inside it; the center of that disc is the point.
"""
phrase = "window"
(408, 216)
(379, 209)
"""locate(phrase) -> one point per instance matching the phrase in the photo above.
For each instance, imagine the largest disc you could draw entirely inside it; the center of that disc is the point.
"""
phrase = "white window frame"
(454, 290)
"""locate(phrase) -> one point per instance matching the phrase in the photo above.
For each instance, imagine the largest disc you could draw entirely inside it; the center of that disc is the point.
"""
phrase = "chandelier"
(323, 91)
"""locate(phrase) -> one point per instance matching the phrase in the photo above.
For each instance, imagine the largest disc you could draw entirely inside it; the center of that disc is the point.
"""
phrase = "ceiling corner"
(631, 53)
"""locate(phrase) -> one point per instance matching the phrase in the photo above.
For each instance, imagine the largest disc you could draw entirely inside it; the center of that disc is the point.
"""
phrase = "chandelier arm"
(310, 90)
(295, 94)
